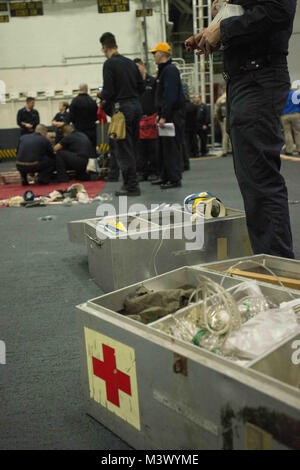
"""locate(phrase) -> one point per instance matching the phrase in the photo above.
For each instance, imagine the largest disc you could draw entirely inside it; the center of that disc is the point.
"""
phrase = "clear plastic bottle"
(207, 340)
(184, 329)
(251, 306)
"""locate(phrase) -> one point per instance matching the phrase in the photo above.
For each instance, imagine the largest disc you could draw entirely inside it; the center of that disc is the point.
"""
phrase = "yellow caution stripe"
(103, 147)
(8, 153)
(290, 158)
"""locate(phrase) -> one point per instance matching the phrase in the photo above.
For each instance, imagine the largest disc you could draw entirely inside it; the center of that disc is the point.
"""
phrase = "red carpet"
(10, 190)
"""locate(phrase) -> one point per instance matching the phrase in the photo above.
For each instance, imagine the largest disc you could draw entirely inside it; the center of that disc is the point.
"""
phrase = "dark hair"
(108, 40)
(29, 98)
(138, 61)
(67, 129)
(65, 104)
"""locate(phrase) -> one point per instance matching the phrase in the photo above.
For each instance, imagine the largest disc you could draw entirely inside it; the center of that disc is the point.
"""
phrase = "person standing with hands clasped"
(203, 120)
(60, 119)
(28, 117)
(83, 115)
(170, 105)
(255, 45)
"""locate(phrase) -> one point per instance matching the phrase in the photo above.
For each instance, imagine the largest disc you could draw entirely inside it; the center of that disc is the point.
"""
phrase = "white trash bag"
(226, 10)
(262, 332)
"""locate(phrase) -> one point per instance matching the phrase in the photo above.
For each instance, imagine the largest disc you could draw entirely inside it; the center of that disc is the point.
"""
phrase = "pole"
(145, 34)
(211, 86)
(163, 21)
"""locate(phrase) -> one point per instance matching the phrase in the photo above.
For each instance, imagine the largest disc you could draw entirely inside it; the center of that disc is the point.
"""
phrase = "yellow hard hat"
(162, 47)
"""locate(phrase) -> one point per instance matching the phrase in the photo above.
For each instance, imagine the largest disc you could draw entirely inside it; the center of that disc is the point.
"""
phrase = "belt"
(27, 163)
(127, 100)
(255, 64)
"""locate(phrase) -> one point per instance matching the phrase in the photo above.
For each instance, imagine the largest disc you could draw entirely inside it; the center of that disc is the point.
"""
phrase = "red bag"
(148, 127)
(101, 115)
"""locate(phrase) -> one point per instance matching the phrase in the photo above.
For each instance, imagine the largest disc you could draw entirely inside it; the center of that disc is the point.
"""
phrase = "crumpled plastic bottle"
(208, 341)
(251, 306)
(83, 197)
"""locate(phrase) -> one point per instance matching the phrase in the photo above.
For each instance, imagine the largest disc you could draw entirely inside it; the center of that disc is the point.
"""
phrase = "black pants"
(203, 139)
(125, 151)
(185, 155)
(92, 135)
(147, 157)
(66, 160)
(192, 143)
(170, 151)
(58, 136)
(255, 101)
(44, 169)
(114, 170)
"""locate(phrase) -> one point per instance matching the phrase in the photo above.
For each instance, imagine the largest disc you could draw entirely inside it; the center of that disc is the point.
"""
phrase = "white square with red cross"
(112, 376)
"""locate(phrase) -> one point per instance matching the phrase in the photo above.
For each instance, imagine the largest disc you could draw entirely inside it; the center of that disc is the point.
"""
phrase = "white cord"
(155, 252)
(155, 256)
(211, 289)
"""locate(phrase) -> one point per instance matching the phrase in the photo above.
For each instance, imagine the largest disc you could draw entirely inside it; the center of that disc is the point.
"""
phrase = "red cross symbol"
(115, 380)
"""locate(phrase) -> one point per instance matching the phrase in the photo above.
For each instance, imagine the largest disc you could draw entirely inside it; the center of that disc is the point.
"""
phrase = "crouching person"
(72, 153)
(35, 155)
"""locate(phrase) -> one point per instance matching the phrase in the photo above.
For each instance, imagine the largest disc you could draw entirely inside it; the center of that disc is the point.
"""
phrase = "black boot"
(171, 184)
(24, 179)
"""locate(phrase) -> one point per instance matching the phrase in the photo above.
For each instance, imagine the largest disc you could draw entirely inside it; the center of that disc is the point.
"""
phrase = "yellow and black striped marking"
(103, 147)
(8, 153)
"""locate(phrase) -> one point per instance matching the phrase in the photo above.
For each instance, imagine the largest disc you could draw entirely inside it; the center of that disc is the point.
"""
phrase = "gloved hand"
(206, 42)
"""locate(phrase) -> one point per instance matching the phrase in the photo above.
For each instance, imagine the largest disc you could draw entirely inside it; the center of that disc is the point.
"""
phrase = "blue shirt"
(33, 148)
(293, 103)
(169, 92)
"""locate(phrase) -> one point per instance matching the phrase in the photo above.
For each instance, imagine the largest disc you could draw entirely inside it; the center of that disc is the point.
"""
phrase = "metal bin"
(157, 392)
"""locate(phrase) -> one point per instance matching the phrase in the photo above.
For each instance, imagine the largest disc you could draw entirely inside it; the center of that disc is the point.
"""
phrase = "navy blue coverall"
(258, 84)
(170, 104)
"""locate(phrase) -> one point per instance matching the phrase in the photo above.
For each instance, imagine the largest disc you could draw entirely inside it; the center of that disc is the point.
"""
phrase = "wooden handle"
(286, 281)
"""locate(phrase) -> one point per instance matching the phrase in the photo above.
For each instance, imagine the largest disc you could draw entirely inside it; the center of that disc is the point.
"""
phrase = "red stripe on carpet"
(10, 190)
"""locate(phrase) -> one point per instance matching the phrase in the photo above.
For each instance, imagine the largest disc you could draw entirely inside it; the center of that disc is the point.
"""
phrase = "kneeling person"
(72, 153)
(35, 154)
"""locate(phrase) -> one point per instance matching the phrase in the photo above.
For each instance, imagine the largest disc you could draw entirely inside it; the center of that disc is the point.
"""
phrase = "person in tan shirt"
(290, 120)
(220, 114)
